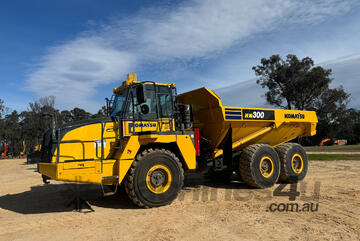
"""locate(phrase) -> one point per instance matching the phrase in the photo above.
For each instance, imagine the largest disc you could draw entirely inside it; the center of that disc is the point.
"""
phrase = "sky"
(78, 51)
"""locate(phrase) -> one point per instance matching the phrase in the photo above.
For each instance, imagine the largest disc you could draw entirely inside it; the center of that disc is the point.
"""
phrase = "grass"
(326, 157)
(347, 148)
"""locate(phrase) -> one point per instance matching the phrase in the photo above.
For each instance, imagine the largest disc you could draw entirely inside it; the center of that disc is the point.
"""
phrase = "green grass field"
(347, 148)
(327, 157)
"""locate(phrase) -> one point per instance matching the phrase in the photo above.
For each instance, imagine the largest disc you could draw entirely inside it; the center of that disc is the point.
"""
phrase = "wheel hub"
(266, 166)
(297, 163)
(157, 178)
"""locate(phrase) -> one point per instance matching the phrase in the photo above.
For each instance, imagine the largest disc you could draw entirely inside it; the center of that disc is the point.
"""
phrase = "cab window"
(118, 104)
(165, 102)
(139, 114)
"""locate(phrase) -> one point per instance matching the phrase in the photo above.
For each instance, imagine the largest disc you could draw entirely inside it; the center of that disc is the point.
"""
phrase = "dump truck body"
(249, 125)
(152, 136)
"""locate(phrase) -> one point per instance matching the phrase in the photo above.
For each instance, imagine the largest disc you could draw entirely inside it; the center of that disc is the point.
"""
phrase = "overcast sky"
(80, 50)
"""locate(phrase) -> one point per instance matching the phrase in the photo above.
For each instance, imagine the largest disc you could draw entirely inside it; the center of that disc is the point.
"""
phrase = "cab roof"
(132, 79)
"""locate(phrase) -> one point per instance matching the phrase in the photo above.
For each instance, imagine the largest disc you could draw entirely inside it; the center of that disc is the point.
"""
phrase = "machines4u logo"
(294, 116)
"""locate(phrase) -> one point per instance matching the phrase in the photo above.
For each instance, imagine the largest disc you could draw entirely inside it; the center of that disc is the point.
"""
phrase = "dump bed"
(248, 125)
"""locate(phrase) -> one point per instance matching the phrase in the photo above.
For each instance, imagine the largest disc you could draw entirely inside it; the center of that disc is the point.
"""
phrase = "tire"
(154, 179)
(255, 175)
(293, 162)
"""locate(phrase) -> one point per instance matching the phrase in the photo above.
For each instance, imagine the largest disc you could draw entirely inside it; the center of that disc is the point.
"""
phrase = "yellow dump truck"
(153, 136)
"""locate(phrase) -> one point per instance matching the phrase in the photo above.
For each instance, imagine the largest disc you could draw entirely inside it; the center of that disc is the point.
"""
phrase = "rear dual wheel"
(259, 166)
(293, 162)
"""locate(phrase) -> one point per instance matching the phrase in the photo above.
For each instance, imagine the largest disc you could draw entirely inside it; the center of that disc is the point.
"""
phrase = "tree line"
(30, 125)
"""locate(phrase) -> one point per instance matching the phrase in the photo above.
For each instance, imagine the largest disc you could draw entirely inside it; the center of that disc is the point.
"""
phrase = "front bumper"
(48, 169)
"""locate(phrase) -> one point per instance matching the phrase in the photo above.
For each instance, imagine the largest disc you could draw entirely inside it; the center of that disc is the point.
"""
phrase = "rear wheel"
(294, 162)
(259, 166)
(155, 178)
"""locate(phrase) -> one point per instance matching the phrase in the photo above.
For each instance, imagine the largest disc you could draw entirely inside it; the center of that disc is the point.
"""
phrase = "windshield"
(118, 104)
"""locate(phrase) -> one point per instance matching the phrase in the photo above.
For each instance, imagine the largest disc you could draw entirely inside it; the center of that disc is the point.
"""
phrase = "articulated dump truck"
(153, 136)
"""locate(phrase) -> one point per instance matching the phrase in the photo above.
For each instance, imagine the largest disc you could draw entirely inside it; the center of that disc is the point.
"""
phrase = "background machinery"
(23, 152)
(4, 148)
(35, 155)
(152, 136)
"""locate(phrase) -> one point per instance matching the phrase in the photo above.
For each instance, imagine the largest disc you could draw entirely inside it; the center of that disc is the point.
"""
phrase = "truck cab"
(144, 107)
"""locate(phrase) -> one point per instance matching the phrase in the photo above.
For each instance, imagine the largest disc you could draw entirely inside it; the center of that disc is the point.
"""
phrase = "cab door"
(155, 114)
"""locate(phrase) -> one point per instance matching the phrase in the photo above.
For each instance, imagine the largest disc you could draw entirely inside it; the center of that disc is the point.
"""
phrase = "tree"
(34, 123)
(3, 109)
(292, 83)
(297, 84)
(348, 126)
(331, 104)
(101, 113)
(79, 114)
(12, 132)
(65, 117)
(4, 129)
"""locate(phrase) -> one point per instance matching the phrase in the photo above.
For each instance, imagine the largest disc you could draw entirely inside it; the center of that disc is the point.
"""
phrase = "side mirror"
(140, 94)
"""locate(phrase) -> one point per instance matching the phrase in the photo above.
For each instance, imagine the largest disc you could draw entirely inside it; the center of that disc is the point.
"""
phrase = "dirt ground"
(30, 210)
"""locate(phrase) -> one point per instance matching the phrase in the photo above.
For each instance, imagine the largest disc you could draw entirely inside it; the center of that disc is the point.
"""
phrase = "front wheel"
(155, 178)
